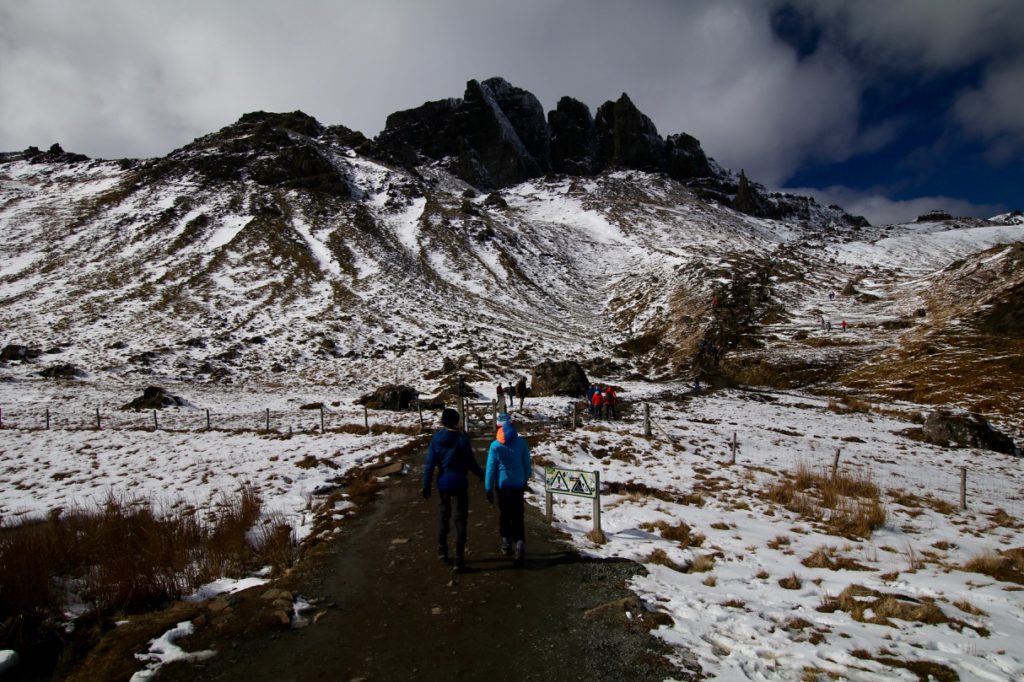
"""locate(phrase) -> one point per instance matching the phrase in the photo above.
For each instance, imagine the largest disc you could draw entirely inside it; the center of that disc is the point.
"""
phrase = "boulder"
(155, 398)
(63, 371)
(391, 397)
(14, 352)
(966, 429)
(559, 377)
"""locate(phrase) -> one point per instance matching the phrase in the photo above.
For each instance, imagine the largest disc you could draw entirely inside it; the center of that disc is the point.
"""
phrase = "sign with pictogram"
(573, 482)
(570, 482)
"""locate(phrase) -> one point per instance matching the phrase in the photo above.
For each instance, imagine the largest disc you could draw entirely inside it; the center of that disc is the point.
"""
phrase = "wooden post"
(647, 420)
(597, 501)
(156, 424)
(366, 418)
(98, 427)
(268, 419)
(734, 447)
(207, 419)
(47, 418)
(963, 487)
(419, 406)
(573, 425)
(289, 430)
(835, 465)
(548, 505)
(1, 417)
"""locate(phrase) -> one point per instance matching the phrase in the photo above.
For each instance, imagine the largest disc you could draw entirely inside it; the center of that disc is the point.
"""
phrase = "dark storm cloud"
(140, 77)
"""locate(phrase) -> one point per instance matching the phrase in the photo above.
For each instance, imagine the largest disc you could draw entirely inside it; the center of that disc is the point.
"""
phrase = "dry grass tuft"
(778, 541)
(968, 607)
(871, 606)
(925, 670)
(1007, 565)
(847, 504)
(827, 557)
(597, 536)
(660, 557)
(680, 533)
(702, 564)
(791, 582)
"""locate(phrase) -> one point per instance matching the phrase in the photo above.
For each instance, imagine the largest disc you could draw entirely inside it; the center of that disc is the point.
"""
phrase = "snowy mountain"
(278, 248)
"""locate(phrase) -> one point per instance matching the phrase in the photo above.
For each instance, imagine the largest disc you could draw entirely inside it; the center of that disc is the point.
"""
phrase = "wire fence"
(317, 420)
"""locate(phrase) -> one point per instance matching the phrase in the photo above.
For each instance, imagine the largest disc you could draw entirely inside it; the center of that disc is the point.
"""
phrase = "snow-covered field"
(735, 617)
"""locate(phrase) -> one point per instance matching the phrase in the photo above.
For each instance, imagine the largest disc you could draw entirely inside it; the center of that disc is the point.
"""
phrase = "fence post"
(647, 420)
(207, 419)
(963, 488)
(835, 465)
(573, 425)
(47, 418)
(735, 446)
(156, 424)
(548, 505)
(366, 418)
(1, 417)
(98, 427)
(419, 406)
(268, 419)
(322, 418)
(597, 501)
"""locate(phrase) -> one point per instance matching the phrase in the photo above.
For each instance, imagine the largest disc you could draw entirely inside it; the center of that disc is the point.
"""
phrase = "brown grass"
(680, 532)
(828, 557)
(126, 558)
(847, 504)
(925, 670)
(1007, 565)
(791, 582)
(871, 606)
(659, 557)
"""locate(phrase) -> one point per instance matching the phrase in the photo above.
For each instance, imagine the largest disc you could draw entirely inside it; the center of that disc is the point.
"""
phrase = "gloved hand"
(490, 496)
(426, 492)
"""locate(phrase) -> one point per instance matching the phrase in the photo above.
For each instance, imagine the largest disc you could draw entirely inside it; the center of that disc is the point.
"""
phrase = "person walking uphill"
(452, 455)
(508, 470)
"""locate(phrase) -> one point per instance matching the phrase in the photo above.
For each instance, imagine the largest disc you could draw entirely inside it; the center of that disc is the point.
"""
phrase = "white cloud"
(995, 110)
(874, 205)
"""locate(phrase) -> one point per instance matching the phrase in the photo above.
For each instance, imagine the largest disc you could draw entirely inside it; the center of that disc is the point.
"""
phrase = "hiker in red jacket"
(610, 401)
(844, 325)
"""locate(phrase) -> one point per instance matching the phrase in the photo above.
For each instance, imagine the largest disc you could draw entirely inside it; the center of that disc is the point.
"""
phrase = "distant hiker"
(843, 325)
(696, 384)
(590, 393)
(510, 395)
(521, 391)
(831, 295)
(452, 455)
(502, 405)
(460, 388)
(596, 403)
(828, 325)
(508, 470)
(610, 401)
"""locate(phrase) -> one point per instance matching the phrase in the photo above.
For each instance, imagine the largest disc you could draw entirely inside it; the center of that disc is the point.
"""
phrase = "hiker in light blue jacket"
(508, 470)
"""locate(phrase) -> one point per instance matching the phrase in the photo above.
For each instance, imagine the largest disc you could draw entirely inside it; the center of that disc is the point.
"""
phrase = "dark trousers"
(510, 514)
(460, 498)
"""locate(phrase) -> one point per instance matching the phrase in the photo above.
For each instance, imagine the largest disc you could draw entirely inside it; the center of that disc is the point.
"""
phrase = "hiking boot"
(506, 547)
(459, 565)
(442, 554)
(520, 555)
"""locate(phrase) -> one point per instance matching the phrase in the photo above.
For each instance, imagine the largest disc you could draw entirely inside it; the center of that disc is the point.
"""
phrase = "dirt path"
(394, 611)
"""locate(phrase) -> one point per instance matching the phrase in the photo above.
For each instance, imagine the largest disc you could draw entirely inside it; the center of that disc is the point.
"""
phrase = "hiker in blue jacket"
(508, 470)
(452, 455)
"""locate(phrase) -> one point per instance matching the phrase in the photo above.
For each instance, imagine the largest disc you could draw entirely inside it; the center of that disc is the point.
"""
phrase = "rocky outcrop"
(559, 377)
(627, 138)
(495, 136)
(291, 150)
(966, 429)
(18, 353)
(573, 138)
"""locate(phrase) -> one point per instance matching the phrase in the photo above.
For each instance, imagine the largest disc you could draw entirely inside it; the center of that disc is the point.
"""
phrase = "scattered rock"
(62, 372)
(966, 429)
(390, 397)
(18, 353)
(155, 398)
